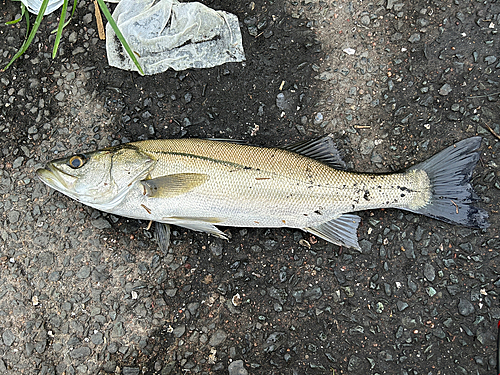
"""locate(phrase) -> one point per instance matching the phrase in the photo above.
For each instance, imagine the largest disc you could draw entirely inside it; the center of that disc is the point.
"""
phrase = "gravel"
(465, 307)
(87, 292)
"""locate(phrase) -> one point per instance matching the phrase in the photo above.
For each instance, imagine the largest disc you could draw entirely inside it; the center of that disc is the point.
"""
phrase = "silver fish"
(199, 184)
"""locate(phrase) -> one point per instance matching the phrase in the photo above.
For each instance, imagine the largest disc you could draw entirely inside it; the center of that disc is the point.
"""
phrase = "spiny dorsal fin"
(322, 149)
(229, 140)
(173, 184)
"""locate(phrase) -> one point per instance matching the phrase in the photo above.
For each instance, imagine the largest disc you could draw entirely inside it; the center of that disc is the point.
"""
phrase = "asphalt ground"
(84, 292)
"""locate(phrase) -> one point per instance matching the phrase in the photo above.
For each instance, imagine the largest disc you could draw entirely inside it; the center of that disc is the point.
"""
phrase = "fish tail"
(452, 195)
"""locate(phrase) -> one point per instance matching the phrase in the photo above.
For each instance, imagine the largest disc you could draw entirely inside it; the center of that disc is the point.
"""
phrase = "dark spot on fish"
(305, 214)
(372, 177)
(353, 207)
(402, 188)
(318, 212)
(262, 178)
(344, 186)
(247, 168)
(402, 195)
(380, 186)
(366, 196)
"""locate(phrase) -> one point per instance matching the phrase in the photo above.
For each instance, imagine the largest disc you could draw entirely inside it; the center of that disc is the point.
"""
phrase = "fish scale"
(199, 184)
(252, 186)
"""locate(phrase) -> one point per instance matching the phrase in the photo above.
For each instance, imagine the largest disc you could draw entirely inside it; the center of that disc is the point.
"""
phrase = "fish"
(201, 184)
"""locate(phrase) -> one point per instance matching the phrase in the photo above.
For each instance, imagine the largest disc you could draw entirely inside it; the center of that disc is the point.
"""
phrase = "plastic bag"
(34, 6)
(167, 34)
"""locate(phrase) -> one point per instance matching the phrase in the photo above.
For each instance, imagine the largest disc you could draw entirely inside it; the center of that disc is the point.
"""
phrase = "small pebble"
(429, 272)
(8, 337)
(318, 119)
(445, 89)
(465, 308)
(237, 368)
(414, 38)
(217, 338)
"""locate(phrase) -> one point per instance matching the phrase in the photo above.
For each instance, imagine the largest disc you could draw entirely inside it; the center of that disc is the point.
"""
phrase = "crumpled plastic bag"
(167, 34)
(34, 6)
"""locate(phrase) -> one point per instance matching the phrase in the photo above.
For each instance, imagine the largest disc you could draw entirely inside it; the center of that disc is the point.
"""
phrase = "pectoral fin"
(172, 185)
(341, 231)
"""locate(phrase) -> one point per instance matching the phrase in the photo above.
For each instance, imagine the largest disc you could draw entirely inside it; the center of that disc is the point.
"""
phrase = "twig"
(482, 96)
(98, 18)
(492, 131)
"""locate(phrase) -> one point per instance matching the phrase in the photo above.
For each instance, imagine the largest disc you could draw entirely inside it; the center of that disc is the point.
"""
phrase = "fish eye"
(76, 161)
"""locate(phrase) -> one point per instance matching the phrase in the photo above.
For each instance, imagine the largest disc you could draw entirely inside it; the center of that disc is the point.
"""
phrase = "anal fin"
(341, 231)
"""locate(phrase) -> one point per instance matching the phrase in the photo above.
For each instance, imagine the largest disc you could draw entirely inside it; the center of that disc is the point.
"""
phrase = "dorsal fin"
(229, 140)
(322, 149)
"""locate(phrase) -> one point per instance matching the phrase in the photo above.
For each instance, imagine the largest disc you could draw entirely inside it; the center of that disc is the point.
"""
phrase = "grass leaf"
(31, 36)
(69, 19)
(118, 33)
(60, 28)
(73, 10)
(27, 14)
(13, 22)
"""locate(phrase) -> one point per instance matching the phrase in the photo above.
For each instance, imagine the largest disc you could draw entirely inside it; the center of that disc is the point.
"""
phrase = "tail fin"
(449, 173)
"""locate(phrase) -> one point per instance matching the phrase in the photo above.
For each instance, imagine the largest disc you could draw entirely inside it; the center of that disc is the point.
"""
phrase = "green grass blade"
(13, 22)
(31, 36)
(118, 33)
(23, 10)
(73, 10)
(27, 14)
(69, 19)
(60, 28)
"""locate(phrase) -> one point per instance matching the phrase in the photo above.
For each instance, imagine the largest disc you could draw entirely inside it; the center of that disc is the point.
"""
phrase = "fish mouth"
(56, 178)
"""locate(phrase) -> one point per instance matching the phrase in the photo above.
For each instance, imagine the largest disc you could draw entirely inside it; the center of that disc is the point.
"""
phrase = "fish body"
(200, 184)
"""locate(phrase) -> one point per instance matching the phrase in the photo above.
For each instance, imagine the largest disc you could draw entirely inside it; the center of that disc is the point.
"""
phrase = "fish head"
(99, 179)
